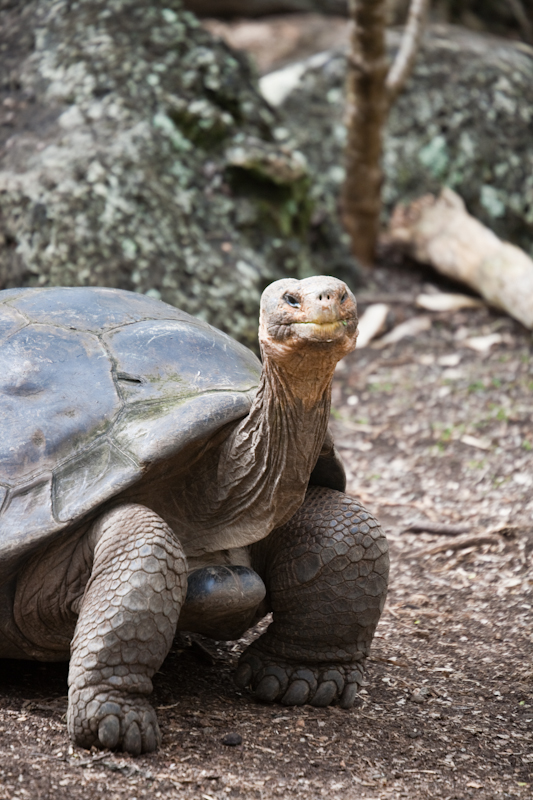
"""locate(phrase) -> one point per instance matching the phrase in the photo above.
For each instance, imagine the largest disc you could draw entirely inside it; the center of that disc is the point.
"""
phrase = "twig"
(388, 661)
(382, 502)
(459, 544)
(90, 761)
(398, 298)
(405, 57)
(438, 528)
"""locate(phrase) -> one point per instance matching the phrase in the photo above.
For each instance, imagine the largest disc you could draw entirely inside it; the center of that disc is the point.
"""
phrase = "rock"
(464, 120)
(232, 739)
(139, 154)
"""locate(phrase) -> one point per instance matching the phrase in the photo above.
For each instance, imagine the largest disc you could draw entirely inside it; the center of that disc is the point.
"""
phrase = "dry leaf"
(411, 327)
(483, 343)
(473, 441)
(372, 323)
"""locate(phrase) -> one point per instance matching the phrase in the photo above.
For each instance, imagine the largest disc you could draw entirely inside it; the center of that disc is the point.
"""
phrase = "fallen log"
(440, 231)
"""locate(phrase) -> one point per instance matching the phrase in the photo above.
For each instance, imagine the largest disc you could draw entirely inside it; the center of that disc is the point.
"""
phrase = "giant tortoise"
(156, 477)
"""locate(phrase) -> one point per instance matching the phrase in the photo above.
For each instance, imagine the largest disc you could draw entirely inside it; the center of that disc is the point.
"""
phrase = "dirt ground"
(432, 431)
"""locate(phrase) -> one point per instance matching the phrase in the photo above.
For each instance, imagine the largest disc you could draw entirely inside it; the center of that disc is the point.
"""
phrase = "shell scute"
(96, 384)
(83, 482)
(159, 359)
(46, 409)
(10, 322)
(94, 309)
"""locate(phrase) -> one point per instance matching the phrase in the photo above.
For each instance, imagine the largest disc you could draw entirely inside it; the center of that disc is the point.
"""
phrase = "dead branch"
(442, 233)
(438, 528)
(459, 544)
(405, 57)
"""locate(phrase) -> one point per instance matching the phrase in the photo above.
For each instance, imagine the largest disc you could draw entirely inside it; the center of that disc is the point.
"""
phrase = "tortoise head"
(315, 316)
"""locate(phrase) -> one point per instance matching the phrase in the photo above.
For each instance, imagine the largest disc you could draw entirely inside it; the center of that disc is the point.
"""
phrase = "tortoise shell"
(96, 385)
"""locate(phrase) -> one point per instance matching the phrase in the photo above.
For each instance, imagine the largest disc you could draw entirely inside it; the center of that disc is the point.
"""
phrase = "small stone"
(419, 695)
(232, 739)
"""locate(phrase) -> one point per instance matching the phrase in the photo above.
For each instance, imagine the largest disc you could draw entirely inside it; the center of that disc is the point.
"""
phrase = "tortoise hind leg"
(127, 620)
(326, 575)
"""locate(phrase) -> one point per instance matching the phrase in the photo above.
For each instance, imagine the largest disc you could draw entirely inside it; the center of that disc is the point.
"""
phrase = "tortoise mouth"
(324, 331)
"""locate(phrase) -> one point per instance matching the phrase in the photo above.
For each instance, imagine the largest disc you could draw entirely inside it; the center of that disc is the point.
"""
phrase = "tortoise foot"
(101, 718)
(273, 680)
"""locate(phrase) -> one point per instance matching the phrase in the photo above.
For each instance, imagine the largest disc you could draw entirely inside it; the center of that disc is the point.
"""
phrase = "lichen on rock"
(122, 172)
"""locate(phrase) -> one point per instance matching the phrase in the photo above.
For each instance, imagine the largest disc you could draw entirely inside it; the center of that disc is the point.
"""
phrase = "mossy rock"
(117, 171)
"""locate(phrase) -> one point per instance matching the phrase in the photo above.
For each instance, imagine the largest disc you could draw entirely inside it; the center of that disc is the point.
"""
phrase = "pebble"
(232, 739)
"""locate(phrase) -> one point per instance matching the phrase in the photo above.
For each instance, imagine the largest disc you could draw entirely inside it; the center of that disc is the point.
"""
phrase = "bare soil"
(432, 432)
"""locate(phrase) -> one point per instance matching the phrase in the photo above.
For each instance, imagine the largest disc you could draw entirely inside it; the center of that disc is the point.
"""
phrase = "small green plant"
(527, 445)
(498, 480)
(380, 387)
(477, 386)
(446, 434)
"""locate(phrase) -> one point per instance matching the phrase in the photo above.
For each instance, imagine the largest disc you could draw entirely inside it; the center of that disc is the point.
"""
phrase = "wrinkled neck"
(266, 462)
(256, 478)
(297, 384)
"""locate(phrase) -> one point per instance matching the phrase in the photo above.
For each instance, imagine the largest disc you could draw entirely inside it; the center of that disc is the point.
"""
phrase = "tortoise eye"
(292, 300)
(343, 298)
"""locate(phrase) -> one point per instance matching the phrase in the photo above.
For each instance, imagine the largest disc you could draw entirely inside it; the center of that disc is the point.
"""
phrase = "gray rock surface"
(137, 153)
(464, 120)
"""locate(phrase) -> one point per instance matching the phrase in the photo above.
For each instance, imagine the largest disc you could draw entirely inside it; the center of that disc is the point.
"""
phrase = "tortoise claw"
(107, 720)
(295, 685)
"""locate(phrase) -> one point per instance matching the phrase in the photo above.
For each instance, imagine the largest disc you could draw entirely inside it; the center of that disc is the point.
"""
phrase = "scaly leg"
(127, 620)
(326, 574)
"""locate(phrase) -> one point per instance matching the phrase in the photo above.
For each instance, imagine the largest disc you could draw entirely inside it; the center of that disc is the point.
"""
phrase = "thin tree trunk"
(367, 106)
(371, 89)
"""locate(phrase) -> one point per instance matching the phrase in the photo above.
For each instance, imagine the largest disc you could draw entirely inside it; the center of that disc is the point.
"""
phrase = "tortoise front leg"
(326, 574)
(127, 620)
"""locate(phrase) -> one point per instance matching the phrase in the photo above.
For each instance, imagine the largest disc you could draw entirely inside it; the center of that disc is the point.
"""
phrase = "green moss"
(202, 123)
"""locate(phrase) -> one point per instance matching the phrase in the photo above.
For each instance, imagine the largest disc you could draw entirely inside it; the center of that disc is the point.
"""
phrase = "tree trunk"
(366, 108)
(371, 90)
